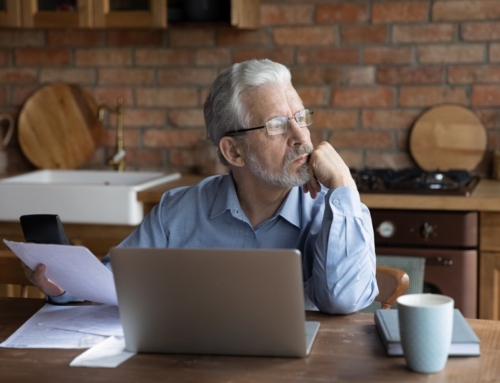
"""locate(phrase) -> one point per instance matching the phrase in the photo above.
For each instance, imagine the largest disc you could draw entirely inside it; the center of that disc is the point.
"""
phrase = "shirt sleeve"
(342, 276)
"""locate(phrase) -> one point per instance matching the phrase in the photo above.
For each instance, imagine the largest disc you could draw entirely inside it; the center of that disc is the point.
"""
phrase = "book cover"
(464, 340)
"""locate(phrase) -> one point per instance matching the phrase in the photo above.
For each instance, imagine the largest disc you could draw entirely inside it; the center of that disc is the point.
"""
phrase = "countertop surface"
(485, 197)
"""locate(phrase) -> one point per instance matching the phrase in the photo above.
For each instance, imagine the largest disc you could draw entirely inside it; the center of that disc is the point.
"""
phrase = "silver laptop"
(212, 301)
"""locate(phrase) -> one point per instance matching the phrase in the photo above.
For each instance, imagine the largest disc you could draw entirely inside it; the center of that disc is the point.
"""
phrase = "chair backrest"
(392, 283)
(12, 272)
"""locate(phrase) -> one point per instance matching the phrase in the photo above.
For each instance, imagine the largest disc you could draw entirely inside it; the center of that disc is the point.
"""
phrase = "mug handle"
(10, 129)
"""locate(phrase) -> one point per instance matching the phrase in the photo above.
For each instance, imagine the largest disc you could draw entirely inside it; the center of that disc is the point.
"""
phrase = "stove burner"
(414, 181)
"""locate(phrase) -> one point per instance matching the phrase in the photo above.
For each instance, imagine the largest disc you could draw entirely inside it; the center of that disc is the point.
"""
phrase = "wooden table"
(347, 349)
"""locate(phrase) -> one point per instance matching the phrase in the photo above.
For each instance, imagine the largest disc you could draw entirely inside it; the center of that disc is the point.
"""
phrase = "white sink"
(79, 196)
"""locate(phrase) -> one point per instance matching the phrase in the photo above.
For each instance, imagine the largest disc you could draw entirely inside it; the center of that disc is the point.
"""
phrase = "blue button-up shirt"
(333, 232)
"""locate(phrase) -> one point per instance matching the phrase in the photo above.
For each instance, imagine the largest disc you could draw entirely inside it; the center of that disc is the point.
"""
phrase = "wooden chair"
(12, 273)
(392, 283)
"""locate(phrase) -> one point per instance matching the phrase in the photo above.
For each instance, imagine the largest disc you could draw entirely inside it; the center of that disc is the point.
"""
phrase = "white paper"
(73, 268)
(101, 320)
(110, 353)
(31, 335)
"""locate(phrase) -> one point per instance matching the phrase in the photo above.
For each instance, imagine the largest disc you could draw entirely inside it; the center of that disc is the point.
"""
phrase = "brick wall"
(368, 68)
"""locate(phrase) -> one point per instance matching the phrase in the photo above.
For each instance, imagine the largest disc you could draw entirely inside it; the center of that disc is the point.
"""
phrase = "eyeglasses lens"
(280, 125)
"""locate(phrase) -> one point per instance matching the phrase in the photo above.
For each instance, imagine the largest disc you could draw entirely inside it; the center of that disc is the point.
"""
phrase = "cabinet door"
(10, 14)
(245, 13)
(130, 14)
(489, 286)
(56, 13)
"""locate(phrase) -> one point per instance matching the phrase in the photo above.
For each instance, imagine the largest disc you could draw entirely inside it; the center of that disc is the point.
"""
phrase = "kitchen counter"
(485, 197)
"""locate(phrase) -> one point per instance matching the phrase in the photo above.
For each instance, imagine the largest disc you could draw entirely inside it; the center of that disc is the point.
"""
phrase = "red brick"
(19, 94)
(473, 74)
(328, 56)
(490, 117)
(108, 137)
(494, 52)
(22, 38)
(281, 55)
(483, 95)
(140, 37)
(166, 97)
(389, 119)
(465, 10)
(41, 57)
(334, 119)
(286, 14)
(361, 97)
(410, 75)
(360, 75)
(164, 57)
(3, 95)
(191, 37)
(103, 57)
(423, 33)
(187, 118)
(4, 57)
(399, 11)
(144, 158)
(118, 76)
(304, 36)
(75, 38)
(19, 76)
(144, 117)
(387, 55)
(392, 160)
(77, 76)
(363, 34)
(239, 37)
(360, 139)
(213, 56)
(110, 96)
(313, 96)
(402, 140)
(180, 138)
(187, 158)
(485, 31)
(421, 96)
(184, 76)
(464, 53)
(352, 158)
(343, 13)
(317, 75)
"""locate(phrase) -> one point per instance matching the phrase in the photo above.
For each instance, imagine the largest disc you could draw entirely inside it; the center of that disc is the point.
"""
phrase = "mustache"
(294, 153)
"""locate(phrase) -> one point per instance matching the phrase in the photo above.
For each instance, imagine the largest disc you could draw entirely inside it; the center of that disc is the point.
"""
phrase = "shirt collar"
(227, 199)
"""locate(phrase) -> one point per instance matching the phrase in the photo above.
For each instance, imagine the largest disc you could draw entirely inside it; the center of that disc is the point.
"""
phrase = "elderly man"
(280, 193)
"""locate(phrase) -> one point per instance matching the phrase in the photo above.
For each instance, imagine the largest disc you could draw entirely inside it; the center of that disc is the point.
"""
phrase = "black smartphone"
(43, 228)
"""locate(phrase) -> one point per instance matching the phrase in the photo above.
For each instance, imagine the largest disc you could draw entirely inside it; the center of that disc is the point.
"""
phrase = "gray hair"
(224, 109)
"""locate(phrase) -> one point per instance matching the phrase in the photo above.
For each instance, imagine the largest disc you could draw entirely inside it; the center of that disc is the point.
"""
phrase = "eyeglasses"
(280, 125)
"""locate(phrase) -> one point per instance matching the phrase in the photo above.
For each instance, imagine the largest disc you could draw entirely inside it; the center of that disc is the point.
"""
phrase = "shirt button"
(336, 201)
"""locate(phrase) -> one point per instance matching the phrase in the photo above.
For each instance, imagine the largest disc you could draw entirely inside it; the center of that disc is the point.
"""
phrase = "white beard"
(285, 178)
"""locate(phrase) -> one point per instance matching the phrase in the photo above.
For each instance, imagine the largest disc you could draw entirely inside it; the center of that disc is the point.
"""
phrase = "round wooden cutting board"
(58, 127)
(448, 137)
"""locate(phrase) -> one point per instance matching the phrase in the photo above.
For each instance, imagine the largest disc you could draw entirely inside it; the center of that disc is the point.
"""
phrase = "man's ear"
(231, 151)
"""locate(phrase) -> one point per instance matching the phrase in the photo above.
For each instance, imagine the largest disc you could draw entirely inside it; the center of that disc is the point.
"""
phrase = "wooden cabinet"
(489, 266)
(153, 15)
(10, 15)
(35, 15)
(109, 14)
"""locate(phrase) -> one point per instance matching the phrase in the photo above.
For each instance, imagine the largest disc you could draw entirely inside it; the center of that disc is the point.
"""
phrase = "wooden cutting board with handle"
(58, 127)
(448, 137)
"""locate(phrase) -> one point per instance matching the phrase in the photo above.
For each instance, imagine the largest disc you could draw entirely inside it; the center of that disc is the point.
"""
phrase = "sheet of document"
(32, 335)
(110, 353)
(74, 268)
(100, 320)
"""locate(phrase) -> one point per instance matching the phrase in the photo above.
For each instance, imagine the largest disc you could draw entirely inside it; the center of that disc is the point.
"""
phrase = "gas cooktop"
(415, 181)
